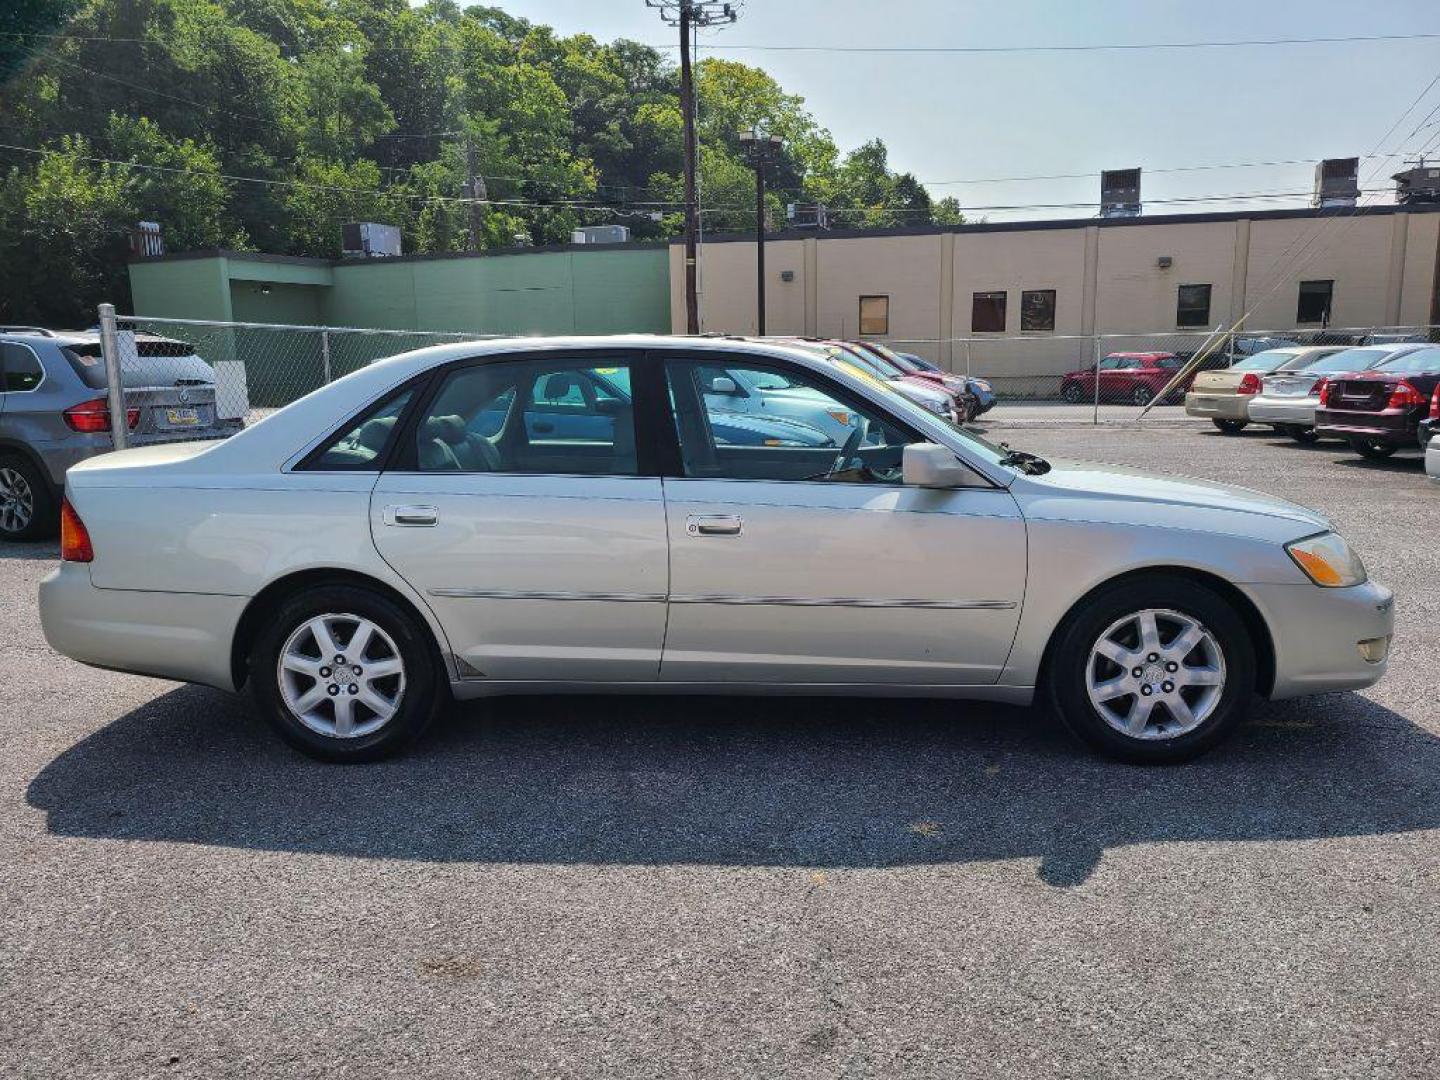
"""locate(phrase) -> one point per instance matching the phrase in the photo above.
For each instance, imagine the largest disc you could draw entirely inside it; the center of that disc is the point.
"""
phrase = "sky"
(953, 117)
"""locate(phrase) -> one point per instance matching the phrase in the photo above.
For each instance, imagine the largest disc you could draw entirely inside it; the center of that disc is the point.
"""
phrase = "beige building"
(983, 289)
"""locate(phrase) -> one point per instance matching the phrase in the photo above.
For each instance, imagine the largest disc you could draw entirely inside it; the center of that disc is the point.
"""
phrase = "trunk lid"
(1287, 384)
(1361, 393)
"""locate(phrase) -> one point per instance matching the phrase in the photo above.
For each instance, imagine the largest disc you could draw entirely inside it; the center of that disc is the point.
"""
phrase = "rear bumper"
(1396, 428)
(1317, 633)
(1218, 406)
(1278, 410)
(169, 635)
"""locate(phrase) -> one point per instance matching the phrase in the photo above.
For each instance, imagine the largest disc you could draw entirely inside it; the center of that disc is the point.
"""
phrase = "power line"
(1104, 47)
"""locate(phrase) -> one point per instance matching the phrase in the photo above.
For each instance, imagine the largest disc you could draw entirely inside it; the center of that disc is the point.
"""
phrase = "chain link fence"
(187, 379)
(1116, 376)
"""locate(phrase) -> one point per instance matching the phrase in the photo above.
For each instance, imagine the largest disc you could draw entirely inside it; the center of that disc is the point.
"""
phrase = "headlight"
(1327, 560)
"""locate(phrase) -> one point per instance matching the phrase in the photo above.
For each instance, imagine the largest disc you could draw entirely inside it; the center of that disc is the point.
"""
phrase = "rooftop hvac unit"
(807, 216)
(601, 234)
(1120, 193)
(1336, 182)
(1420, 185)
(145, 239)
(369, 240)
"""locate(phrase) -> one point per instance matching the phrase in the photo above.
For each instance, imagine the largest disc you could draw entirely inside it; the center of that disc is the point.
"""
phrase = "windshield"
(1426, 360)
(882, 368)
(1348, 360)
(1268, 360)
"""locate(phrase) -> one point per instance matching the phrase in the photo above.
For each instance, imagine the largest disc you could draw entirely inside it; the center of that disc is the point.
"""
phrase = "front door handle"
(713, 525)
(412, 515)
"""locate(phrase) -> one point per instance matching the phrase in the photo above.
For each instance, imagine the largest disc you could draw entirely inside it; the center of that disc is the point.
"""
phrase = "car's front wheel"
(1072, 393)
(27, 509)
(1373, 449)
(1153, 670)
(344, 673)
(1230, 427)
(1141, 395)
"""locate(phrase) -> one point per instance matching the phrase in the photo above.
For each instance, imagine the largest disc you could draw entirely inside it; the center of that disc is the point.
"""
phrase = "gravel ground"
(641, 888)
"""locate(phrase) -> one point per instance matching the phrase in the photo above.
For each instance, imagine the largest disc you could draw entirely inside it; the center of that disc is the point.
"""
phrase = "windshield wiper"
(1033, 464)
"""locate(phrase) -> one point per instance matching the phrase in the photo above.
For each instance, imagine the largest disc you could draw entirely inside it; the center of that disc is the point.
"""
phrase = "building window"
(987, 313)
(1314, 306)
(1037, 309)
(874, 315)
(1192, 305)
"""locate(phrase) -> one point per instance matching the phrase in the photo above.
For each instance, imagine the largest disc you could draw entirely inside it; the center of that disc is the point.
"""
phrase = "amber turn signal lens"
(74, 537)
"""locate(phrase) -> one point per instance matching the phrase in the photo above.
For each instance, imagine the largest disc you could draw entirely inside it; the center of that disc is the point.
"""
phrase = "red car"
(1131, 377)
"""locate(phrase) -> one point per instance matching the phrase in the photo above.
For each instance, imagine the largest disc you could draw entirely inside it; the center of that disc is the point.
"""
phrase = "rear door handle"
(411, 515)
(713, 525)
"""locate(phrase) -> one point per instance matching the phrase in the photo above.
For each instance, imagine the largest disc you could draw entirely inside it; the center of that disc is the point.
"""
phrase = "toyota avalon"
(441, 525)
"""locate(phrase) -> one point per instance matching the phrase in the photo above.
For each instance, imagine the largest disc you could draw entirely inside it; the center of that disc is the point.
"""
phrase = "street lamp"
(760, 150)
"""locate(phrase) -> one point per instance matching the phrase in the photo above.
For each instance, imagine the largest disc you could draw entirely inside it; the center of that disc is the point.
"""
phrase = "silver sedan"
(560, 515)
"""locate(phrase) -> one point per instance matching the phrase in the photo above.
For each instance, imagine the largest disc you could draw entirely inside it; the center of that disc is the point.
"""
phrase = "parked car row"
(1379, 399)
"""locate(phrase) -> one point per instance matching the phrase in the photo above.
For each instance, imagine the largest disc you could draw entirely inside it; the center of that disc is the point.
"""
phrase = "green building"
(570, 289)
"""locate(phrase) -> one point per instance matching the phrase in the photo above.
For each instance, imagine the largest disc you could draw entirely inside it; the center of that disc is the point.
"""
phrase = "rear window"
(1268, 360)
(1426, 360)
(161, 363)
(1349, 360)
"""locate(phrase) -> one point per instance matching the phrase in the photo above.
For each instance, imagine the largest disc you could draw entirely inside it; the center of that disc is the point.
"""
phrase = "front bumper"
(1218, 406)
(1317, 634)
(1299, 411)
(169, 635)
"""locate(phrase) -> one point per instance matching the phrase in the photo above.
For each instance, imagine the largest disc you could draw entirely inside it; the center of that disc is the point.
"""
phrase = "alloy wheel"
(1155, 674)
(17, 501)
(341, 676)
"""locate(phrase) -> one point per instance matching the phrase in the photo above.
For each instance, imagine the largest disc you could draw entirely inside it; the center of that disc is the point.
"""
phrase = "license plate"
(182, 417)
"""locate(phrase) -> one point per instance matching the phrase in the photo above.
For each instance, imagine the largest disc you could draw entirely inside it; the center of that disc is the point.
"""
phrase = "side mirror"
(722, 384)
(933, 466)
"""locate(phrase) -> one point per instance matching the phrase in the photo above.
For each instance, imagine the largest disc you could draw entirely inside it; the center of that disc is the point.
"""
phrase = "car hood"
(1118, 492)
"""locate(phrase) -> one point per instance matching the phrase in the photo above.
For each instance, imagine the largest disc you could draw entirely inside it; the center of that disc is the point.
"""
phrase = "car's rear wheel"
(1141, 395)
(1230, 427)
(1071, 392)
(344, 673)
(1373, 449)
(1153, 670)
(1304, 435)
(27, 509)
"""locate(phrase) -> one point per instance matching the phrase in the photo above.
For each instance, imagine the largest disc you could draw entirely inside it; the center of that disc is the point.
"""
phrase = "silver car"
(54, 413)
(1289, 397)
(380, 547)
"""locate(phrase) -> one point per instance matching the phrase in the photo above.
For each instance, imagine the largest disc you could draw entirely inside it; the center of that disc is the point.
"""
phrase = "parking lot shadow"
(737, 781)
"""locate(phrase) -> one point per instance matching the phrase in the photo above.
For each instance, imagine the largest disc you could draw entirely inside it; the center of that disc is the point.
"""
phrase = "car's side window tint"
(531, 416)
(361, 446)
(753, 422)
(20, 369)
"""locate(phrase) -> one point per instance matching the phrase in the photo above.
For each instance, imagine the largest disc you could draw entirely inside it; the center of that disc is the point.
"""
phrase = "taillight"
(1435, 404)
(93, 416)
(1324, 392)
(1250, 384)
(74, 537)
(1404, 396)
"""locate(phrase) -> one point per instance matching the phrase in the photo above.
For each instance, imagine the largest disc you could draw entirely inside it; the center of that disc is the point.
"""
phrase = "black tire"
(1372, 449)
(24, 481)
(1071, 393)
(1306, 436)
(424, 681)
(1066, 667)
(1231, 427)
(1142, 395)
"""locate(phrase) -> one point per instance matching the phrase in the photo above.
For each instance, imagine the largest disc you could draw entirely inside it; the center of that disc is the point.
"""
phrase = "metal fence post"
(325, 354)
(114, 378)
(1095, 356)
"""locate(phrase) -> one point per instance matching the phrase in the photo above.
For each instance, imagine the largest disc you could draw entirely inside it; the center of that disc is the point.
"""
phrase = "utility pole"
(474, 189)
(759, 151)
(688, 15)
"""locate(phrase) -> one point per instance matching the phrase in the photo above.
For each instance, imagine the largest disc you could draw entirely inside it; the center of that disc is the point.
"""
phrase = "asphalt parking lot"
(737, 887)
